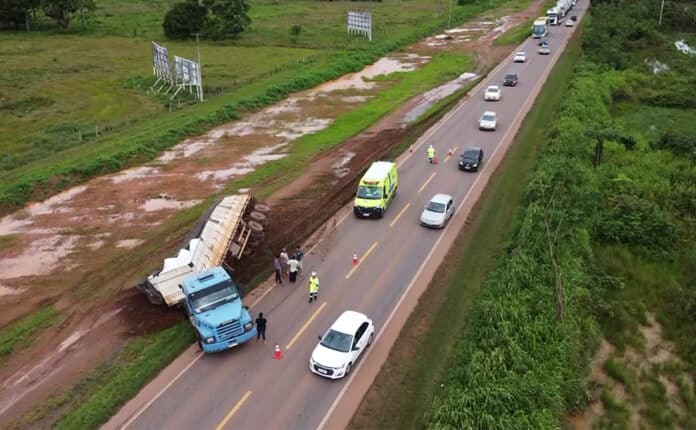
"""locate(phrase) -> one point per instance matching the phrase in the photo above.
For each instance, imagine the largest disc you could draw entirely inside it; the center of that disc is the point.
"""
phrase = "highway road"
(245, 388)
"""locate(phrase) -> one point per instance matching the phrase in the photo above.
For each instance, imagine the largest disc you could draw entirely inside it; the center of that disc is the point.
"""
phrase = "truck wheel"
(200, 342)
(259, 207)
(258, 217)
(255, 227)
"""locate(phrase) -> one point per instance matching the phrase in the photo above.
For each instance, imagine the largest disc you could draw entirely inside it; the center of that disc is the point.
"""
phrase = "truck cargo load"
(207, 249)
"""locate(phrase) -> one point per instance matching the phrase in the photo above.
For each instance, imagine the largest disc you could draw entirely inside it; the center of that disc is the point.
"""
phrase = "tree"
(229, 18)
(184, 19)
(62, 10)
(17, 13)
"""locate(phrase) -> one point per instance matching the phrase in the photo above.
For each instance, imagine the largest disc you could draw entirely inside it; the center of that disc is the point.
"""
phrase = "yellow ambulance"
(376, 189)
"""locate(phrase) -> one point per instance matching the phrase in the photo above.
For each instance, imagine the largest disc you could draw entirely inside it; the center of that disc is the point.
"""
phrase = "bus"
(540, 28)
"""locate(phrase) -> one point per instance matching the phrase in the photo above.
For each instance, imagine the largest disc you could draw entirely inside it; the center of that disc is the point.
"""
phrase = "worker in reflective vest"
(313, 287)
(431, 153)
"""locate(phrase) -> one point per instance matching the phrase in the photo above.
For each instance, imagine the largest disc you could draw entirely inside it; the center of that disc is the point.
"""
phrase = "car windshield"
(520, 54)
(337, 341)
(369, 192)
(436, 207)
(214, 296)
(493, 89)
(488, 118)
(470, 155)
(511, 76)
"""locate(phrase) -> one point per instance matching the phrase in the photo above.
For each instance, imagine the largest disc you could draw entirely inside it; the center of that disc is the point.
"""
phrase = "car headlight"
(475, 165)
(248, 326)
(209, 340)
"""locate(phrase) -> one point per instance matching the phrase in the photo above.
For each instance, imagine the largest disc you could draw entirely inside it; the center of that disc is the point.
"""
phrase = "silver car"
(438, 211)
(488, 121)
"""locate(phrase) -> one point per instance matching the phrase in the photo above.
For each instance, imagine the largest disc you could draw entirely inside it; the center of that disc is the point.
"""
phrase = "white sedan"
(438, 211)
(341, 345)
(520, 57)
(488, 121)
(569, 23)
(492, 93)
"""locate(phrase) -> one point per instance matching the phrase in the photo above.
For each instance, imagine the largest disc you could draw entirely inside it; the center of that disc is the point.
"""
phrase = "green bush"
(679, 142)
(633, 220)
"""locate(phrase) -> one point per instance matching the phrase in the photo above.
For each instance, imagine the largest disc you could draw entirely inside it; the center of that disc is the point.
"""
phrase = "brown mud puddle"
(83, 250)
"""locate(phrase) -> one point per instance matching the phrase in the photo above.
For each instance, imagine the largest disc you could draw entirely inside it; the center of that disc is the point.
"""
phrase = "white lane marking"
(157, 396)
(427, 258)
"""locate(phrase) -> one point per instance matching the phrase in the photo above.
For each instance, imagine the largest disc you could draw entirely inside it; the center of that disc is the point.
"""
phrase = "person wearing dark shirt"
(261, 327)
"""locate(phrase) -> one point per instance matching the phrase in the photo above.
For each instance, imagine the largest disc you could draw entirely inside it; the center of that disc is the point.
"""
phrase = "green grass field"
(58, 89)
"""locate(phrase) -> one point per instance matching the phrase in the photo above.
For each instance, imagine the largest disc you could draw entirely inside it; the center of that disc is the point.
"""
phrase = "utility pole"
(662, 7)
(449, 20)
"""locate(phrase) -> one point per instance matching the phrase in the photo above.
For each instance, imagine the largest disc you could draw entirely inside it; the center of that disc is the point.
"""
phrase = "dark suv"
(510, 80)
(471, 159)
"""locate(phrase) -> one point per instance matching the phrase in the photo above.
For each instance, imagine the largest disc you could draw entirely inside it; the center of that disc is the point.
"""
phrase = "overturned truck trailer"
(220, 230)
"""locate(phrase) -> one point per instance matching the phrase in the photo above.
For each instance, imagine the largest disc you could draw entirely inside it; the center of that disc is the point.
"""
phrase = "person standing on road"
(293, 265)
(261, 327)
(278, 270)
(284, 261)
(431, 154)
(313, 287)
(299, 256)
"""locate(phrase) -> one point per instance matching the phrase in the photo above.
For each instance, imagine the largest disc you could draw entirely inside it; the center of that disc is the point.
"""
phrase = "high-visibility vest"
(431, 152)
(313, 284)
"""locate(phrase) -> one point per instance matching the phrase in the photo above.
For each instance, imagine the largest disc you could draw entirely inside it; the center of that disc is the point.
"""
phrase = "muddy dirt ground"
(76, 250)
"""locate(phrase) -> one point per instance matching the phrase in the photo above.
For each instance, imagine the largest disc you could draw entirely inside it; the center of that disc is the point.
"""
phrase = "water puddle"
(133, 174)
(339, 168)
(428, 99)
(40, 258)
(51, 205)
(249, 164)
(129, 243)
(158, 204)
(7, 291)
(361, 79)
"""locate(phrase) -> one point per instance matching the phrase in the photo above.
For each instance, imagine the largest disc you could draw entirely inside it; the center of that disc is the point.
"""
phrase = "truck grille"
(229, 330)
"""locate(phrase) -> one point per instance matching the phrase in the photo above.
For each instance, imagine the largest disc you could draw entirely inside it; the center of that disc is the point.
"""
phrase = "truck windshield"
(539, 29)
(214, 296)
(369, 192)
(337, 341)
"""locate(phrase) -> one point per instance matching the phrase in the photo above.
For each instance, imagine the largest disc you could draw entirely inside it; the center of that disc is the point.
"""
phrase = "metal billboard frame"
(360, 22)
(187, 74)
(161, 68)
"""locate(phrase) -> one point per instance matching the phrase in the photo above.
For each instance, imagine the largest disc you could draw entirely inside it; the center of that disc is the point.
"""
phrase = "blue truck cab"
(216, 311)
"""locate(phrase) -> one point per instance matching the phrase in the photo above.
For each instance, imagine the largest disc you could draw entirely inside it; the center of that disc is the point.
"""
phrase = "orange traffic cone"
(355, 259)
(410, 149)
(277, 354)
(435, 160)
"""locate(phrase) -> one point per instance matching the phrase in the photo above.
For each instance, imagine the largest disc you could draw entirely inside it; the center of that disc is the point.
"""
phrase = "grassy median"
(404, 390)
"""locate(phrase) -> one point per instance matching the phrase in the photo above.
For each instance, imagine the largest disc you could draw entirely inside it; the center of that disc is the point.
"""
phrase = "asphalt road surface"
(246, 388)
